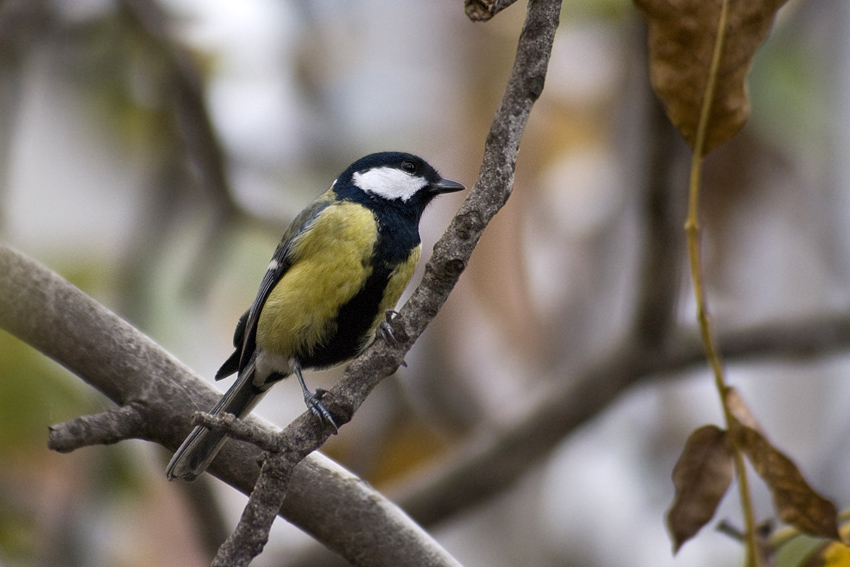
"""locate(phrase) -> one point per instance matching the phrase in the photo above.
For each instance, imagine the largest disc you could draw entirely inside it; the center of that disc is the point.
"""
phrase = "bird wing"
(231, 365)
(281, 262)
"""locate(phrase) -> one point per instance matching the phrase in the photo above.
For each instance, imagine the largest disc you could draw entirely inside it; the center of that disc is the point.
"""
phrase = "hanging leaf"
(795, 501)
(682, 35)
(740, 411)
(701, 477)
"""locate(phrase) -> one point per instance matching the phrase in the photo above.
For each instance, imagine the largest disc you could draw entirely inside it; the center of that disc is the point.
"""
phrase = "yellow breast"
(330, 264)
(398, 281)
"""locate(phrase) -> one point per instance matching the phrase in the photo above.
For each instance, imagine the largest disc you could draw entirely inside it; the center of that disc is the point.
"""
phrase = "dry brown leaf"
(681, 42)
(701, 477)
(740, 411)
(795, 501)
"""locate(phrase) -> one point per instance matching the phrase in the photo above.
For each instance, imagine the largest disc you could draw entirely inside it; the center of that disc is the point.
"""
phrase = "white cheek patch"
(389, 182)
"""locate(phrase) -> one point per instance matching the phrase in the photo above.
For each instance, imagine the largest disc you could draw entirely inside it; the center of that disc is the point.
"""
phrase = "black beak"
(446, 186)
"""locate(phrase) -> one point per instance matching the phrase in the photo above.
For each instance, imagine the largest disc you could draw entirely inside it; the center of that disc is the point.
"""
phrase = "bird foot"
(385, 329)
(314, 402)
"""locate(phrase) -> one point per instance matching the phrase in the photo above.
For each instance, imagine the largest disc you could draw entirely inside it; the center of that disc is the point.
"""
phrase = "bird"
(333, 280)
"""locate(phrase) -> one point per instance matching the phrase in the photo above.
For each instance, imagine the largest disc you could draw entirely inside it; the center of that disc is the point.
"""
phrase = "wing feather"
(281, 262)
(245, 337)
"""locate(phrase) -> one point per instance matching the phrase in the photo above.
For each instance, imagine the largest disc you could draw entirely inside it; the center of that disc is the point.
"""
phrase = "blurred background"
(153, 152)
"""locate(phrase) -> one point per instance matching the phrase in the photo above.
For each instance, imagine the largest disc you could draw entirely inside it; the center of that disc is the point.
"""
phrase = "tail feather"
(202, 445)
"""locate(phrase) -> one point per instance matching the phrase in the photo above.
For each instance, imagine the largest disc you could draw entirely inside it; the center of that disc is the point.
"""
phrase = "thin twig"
(693, 233)
(239, 429)
(125, 422)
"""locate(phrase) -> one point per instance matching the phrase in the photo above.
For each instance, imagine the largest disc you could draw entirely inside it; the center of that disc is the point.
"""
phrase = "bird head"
(396, 178)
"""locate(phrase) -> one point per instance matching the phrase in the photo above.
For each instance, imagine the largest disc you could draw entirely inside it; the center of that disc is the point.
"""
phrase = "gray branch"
(239, 429)
(487, 463)
(104, 428)
(158, 395)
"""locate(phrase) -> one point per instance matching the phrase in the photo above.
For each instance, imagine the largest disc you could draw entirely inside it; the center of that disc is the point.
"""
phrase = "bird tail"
(202, 445)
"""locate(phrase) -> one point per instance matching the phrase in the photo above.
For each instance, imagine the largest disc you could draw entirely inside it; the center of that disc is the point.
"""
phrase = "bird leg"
(314, 400)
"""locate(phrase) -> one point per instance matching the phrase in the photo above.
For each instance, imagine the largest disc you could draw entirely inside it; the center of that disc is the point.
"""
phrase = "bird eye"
(408, 166)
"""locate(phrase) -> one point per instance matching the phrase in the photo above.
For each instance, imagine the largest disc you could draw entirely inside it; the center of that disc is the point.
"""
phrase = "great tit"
(340, 267)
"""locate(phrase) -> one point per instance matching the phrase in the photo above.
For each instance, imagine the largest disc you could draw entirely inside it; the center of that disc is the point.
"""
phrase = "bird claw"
(314, 402)
(385, 329)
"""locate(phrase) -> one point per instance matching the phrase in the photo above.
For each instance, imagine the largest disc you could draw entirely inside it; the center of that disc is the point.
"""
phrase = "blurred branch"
(22, 23)
(51, 315)
(489, 462)
(193, 157)
(209, 519)
(191, 160)
(664, 205)
(201, 142)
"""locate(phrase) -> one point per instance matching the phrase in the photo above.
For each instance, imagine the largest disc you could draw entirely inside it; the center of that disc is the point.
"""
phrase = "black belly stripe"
(398, 234)
(352, 323)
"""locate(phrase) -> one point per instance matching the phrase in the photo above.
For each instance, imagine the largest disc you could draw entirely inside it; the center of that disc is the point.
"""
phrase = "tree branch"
(48, 313)
(239, 429)
(199, 137)
(101, 429)
(451, 255)
(488, 462)
(664, 205)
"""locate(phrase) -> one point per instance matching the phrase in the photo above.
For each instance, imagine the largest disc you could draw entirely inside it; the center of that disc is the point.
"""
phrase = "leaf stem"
(693, 234)
(783, 536)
